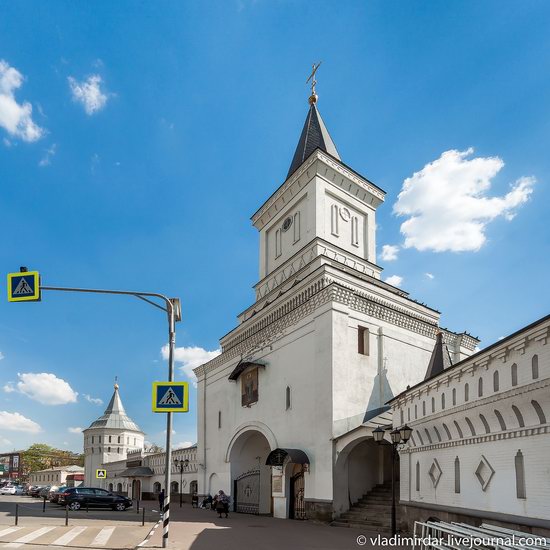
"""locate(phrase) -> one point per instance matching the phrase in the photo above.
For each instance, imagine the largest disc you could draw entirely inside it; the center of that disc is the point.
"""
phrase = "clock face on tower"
(287, 223)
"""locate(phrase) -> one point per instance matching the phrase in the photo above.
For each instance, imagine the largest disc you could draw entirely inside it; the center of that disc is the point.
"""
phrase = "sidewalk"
(197, 529)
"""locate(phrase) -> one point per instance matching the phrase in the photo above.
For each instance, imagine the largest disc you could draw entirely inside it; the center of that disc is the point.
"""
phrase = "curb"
(149, 535)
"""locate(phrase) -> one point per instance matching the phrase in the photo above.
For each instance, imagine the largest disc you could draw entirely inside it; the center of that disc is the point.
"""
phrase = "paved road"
(94, 529)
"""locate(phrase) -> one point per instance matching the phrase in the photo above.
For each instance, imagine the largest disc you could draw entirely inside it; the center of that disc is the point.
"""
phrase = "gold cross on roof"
(313, 96)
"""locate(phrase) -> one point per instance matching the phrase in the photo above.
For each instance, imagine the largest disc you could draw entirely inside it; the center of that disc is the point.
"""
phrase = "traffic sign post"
(25, 286)
(170, 397)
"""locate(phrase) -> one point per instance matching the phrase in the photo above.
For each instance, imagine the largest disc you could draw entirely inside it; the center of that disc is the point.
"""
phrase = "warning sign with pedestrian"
(24, 286)
(101, 474)
(170, 397)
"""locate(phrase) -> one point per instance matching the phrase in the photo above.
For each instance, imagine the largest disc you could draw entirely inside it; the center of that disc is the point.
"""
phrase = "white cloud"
(1, 356)
(94, 400)
(88, 92)
(46, 160)
(15, 118)
(75, 430)
(191, 357)
(394, 280)
(46, 388)
(183, 445)
(430, 276)
(446, 203)
(16, 422)
(8, 388)
(389, 253)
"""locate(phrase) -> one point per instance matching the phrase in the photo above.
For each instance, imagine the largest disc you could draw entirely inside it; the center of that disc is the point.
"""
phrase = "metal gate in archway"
(297, 509)
(247, 492)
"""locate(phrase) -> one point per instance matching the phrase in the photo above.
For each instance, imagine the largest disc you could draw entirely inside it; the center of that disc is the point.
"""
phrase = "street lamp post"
(181, 465)
(398, 437)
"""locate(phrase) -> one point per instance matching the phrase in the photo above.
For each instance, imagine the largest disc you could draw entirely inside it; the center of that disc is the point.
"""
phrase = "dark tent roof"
(241, 367)
(140, 471)
(314, 136)
(278, 456)
(440, 359)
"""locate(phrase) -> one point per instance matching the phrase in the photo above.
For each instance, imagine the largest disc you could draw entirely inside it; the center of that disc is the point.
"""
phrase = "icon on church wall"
(250, 387)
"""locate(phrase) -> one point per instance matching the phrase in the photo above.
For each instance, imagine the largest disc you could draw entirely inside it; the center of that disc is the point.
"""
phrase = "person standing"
(161, 501)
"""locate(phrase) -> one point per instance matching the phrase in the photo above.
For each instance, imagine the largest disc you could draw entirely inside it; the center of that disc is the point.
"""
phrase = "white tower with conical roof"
(109, 438)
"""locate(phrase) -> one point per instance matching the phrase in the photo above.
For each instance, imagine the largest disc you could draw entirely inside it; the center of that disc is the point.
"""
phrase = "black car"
(81, 497)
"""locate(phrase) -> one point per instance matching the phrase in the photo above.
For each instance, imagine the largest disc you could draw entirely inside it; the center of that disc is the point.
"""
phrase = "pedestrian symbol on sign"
(101, 474)
(23, 288)
(170, 398)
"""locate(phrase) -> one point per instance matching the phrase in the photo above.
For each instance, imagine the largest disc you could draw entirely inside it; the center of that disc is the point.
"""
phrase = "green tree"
(40, 456)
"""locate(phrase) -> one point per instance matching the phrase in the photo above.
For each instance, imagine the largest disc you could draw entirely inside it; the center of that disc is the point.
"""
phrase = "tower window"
(520, 476)
(278, 243)
(480, 387)
(454, 397)
(466, 392)
(219, 419)
(355, 231)
(535, 366)
(495, 381)
(514, 373)
(109, 439)
(457, 475)
(296, 227)
(287, 398)
(334, 220)
(362, 340)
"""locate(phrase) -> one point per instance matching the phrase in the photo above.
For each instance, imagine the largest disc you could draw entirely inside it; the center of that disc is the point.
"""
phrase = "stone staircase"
(372, 512)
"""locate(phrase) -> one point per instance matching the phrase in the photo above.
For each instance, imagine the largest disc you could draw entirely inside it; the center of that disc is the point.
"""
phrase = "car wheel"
(74, 506)
(120, 507)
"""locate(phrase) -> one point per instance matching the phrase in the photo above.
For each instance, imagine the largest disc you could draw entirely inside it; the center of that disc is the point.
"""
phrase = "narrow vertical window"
(535, 366)
(408, 414)
(402, 419)
(118, 439)
(433, 404)
(423, 409)
(278, 243)
(355, 231)
(514, 369)
(296, 227)
(457, 475)
(219, 419)
(520, 476)
(495, 381)
(287, 398)
(466, 392)
(454, 397)
(417, 475)
(362, 340)
(442, 400)
(480, 387)
(415, 411)
(334, 219)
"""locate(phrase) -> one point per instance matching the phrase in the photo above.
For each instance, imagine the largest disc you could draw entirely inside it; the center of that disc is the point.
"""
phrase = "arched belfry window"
(433, 404)
(454, 397)
(442, 400)
(539, 411)
(480, 387)
(466, 392)
(535, 366)
(514, 372)
(519, 416)
(423, 409)
(520, 476)
(495, 381)
(457, 475)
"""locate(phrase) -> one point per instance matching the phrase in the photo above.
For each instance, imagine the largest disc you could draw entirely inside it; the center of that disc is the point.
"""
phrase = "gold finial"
(116, 382)
(313, 97)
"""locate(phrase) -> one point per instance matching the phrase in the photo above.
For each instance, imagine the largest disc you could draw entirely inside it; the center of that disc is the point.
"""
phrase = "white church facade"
(285, 413)
(480, 444)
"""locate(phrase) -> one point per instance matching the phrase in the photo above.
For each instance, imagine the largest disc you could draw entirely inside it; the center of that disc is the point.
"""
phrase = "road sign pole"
(168, 459)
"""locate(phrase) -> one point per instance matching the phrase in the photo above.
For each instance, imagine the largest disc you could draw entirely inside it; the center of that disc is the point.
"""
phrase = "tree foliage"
(40, 456)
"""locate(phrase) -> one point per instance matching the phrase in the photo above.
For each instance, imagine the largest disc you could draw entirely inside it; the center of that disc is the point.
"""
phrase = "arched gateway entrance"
(250, 477)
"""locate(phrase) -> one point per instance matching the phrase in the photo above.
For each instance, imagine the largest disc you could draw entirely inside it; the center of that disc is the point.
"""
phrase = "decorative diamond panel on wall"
(484, 473)
(435, 472)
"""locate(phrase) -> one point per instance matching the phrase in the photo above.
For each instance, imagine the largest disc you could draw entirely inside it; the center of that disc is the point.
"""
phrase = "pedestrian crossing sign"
(170, 397)
(24, 286)
(101, 474)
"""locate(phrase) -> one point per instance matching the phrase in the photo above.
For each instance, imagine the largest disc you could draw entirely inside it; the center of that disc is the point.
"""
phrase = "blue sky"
(158, 128)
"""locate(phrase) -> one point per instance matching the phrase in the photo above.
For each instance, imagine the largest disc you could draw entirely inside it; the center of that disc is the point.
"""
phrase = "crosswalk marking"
(9, 531)
(103, 536)
(28, 538)
(69, 536)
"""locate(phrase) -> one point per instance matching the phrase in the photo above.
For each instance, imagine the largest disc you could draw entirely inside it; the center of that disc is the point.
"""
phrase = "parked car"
(8, 490)
(19, 490)
(36, 490)
(43, 493)
(54, 495)
(80, 497)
